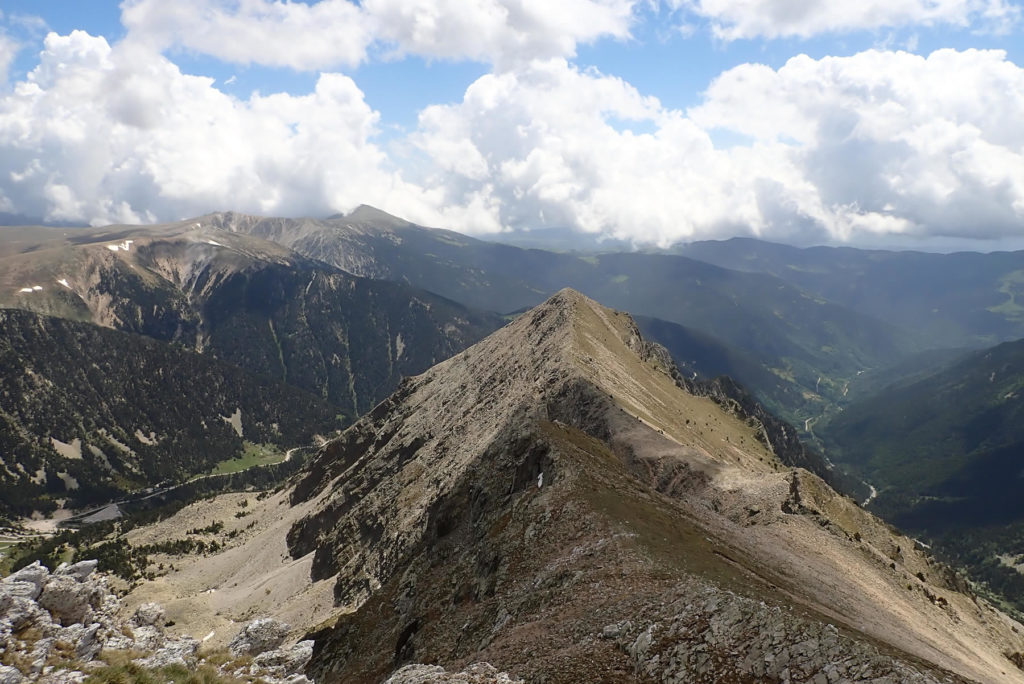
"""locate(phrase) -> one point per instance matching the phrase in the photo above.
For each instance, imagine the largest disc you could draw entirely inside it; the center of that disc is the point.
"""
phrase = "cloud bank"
(839, 149)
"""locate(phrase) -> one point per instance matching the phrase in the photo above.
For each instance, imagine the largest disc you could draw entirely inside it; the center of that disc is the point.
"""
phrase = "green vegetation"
(142, 412)
(946, 452)
(252, 455)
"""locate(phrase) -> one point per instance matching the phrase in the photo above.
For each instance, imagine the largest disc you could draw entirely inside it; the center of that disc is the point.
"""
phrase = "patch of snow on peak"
(123, 246)
(64, 282)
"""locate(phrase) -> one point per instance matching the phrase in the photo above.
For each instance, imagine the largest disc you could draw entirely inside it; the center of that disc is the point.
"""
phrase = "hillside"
(243, 300)
(946, 453)
(812, 346)
(88, 412)
(956, 300)
(554, 501)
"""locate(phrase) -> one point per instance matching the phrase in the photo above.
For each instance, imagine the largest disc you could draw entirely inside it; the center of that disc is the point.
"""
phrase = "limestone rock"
(150, 614)
(258, 636)
(68, 600)
(80, 571)
(478, 673)
(284, 661)
(10, 675)
(34, 574)
(182, 652)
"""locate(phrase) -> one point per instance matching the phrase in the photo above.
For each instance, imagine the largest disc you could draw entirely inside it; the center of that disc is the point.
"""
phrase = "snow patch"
(123, 246)
(213, 242)
(399, 346)
(64, 282)
(72, 451)
(235, 421)
(30, 289)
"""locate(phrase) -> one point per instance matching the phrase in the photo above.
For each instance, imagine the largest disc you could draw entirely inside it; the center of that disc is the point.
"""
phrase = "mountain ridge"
(473, 502)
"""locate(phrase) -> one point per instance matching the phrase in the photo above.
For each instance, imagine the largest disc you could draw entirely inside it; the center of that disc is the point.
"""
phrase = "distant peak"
(364, 213)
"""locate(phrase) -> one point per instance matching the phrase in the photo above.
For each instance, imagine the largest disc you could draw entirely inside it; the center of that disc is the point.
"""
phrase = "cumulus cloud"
(735, 19)
(332, 33)
(880, 143)
(322, 35)
(497, 31)
(118, 134)
(8, 49)
(836, 149)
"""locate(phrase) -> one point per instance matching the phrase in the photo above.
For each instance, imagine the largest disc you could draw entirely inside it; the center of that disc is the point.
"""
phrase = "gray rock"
(283, 661)
(258, 636)
(478, 673)
(35, 574)
(80, 571)
(68, 600)
(10, 675)
(26, 590)
(148, 638)
(151, 614)
(181, 652)
(19, 612)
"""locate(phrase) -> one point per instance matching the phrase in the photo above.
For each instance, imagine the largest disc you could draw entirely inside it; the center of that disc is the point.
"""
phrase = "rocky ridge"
(553, 502)
(59, 627)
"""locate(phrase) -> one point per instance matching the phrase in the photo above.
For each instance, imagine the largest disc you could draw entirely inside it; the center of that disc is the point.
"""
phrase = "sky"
(872, 123)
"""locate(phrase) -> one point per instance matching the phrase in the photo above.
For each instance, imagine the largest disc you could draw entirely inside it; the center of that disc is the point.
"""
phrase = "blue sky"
(887, 123)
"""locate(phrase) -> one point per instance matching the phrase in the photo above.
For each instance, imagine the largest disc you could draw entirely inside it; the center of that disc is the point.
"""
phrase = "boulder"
(150, 614)
(68, 600)
(180, 652)
(80, 571)
(478, 673)
(19, 612)
(35, 574)
(258, 636)
(10, 675)
(284, 661)
(25, 590)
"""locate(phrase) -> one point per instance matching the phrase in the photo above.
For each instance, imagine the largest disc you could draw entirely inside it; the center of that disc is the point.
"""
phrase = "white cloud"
(332, 33)
(8, 50)
(322, 35)
(736, 19)
(102, 134)
(844, 149)
(497, 31)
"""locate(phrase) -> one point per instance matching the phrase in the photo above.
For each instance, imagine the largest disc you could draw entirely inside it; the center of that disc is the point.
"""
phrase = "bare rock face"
(68, 599)
(551, 501)
(35, 574)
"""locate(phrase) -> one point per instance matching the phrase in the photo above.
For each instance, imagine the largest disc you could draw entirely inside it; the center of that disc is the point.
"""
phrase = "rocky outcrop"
(258, 636)
(478, 673)
(55, 628)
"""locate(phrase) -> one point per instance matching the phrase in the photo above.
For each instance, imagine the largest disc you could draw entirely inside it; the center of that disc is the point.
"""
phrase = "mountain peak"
(364, 213)
(555, 480)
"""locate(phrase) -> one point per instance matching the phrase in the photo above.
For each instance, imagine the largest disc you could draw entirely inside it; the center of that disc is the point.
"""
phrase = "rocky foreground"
(61, 627)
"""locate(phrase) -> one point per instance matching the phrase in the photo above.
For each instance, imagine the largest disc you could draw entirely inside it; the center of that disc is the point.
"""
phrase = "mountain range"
(525, 476)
